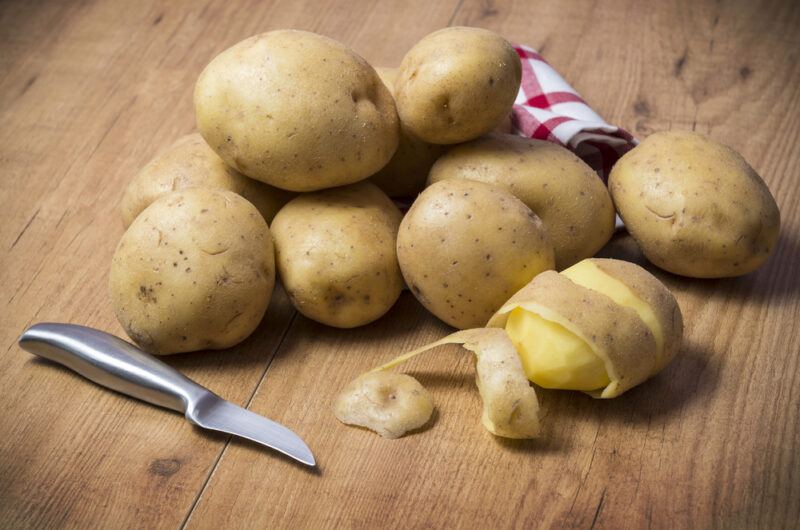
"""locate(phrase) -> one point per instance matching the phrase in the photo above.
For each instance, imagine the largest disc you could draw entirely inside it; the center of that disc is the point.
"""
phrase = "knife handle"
(112, 363)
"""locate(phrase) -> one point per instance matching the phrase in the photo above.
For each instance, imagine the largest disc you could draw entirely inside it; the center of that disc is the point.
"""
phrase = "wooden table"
(90, 90)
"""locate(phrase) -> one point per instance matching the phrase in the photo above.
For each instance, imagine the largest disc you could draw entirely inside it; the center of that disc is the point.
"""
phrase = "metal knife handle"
(113, 363)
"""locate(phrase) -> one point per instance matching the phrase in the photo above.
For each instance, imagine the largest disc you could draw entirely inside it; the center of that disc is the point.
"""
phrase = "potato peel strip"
(510, 407)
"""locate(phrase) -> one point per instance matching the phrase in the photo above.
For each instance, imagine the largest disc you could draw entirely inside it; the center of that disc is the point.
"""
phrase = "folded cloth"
(547, 108)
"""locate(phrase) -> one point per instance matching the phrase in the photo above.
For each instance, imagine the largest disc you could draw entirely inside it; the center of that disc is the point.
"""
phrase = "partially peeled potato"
(601, 326)
(510, 407)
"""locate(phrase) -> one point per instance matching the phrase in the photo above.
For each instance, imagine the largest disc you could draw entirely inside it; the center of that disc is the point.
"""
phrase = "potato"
(388, 76)
(296, 110)
(553, 356)
(602, 326)
(457, 84)
(405, 174)
(695, 206)
(188, 163)
(565, 193)
(630, 285)
(465, 247)
(510, 407)
(506, 126)
(195, 270)
(336, 254)
(388, 403)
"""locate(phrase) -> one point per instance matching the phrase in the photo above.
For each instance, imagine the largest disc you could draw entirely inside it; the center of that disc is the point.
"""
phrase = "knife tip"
(306, 458)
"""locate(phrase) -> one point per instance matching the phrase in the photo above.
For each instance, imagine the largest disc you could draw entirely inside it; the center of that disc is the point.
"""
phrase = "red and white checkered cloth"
(547, 108)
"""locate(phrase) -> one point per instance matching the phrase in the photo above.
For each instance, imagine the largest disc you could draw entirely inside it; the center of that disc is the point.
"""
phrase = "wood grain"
(89, 91)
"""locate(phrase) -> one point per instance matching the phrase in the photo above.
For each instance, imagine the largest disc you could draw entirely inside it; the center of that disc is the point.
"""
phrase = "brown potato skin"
(465, 247)
(406, 173)
(571, 200)
(388, 403)
(188, 163)
(296, 110)
(335, 252)
(655, 294)
(195, 270)
(614, 332)
(388, 76)
(695, 207)
(457, 84)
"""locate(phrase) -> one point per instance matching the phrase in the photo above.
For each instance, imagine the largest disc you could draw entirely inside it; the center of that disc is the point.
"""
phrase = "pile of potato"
(302, 146)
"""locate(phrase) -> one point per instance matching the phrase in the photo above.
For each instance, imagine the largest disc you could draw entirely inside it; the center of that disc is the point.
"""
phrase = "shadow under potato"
(691, 376)
(550, 440)
(405, 317)
(400, 327)
(443, 380)
(758, 286)
(777, 279)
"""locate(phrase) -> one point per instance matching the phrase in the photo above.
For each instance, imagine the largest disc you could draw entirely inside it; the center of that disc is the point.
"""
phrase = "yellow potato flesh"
(589, 275)
(552, 356)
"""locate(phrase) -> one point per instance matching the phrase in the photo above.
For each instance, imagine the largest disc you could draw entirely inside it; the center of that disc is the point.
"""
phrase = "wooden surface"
(90, 90)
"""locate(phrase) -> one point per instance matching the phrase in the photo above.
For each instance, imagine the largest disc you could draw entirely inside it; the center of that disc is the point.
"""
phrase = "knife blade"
(116, 364)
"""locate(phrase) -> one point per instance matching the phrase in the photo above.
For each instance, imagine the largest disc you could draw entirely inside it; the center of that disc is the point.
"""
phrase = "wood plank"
(74, 454)
(88, 93)
(710, 442)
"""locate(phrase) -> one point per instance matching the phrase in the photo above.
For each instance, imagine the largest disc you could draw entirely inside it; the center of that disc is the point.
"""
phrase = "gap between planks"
(222, 451)
(286, 330)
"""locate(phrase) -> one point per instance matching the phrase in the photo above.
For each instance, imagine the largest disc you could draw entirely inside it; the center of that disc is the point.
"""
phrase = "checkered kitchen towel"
(548, 108)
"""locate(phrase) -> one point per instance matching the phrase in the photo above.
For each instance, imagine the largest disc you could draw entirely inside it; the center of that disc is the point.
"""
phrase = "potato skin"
(406, 173)
(655, 294)
(388, 403)
(388, 76)
(614, 332)
(457, 84)
(296, 110)
(465, 247)
(559, 187)
(195, 270)
(336, 254)
(695, 206)
(190, 162)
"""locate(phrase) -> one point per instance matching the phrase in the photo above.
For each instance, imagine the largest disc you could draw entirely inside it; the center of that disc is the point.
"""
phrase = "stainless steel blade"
(213, 412)
(119, 365)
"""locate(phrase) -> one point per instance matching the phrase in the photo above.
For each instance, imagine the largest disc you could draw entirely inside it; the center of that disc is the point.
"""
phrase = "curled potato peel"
(388, 403)
(622, 313)
(602, 326)
(624, 346)
(510, 407)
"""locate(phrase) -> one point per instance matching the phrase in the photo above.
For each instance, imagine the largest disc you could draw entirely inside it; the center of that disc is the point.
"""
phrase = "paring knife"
(116, 364)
